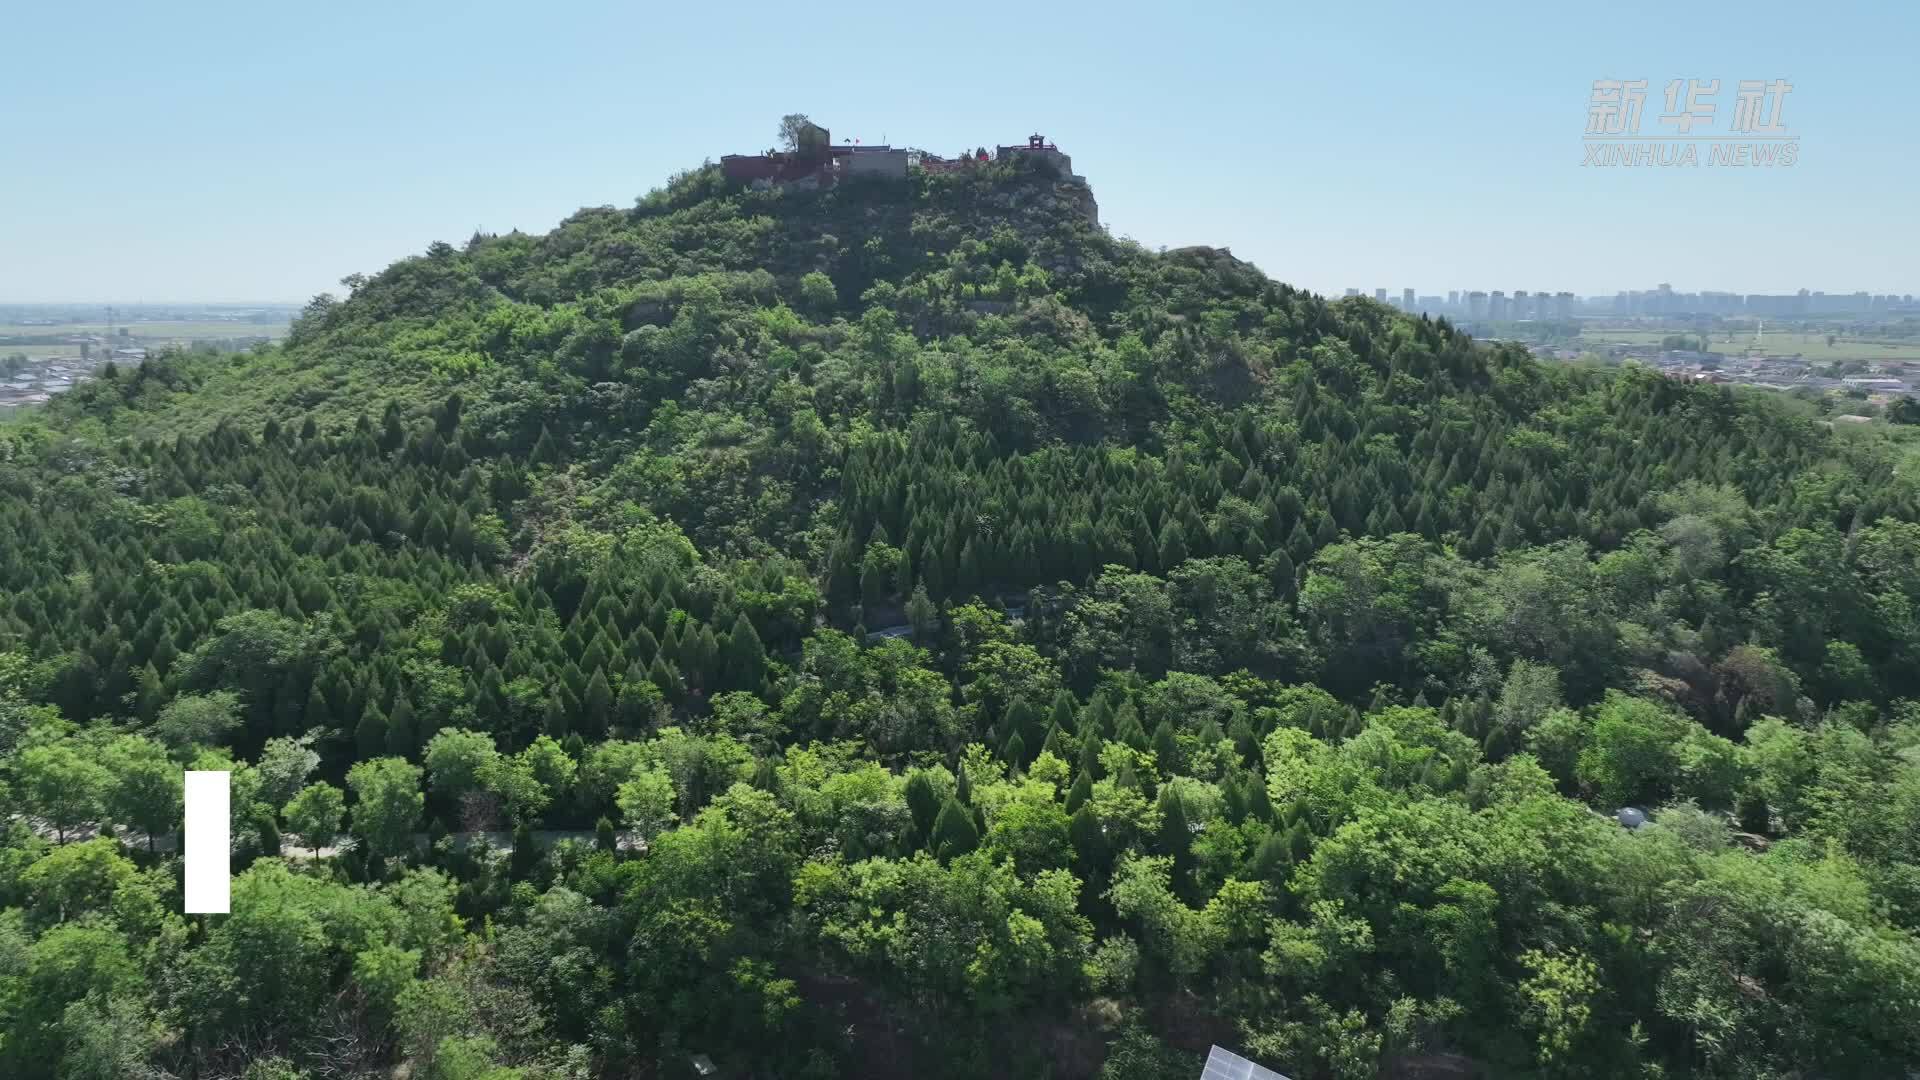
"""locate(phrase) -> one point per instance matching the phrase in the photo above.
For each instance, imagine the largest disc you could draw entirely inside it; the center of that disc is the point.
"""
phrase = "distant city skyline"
(1396, 295)
(1499, 305)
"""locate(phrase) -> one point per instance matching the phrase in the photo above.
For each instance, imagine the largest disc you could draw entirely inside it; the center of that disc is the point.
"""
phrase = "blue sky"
(224, 151)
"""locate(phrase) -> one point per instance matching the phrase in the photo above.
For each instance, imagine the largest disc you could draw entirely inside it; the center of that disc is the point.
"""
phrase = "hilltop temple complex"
(815, 162)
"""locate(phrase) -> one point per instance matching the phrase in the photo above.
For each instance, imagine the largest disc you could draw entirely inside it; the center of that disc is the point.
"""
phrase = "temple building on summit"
(815, 162)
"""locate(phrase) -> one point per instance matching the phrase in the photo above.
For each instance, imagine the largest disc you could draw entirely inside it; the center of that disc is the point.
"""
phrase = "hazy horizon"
(1331, 294)
(1333, 149)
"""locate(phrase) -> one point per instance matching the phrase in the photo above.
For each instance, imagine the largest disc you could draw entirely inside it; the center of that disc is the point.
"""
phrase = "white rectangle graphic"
(208, 840)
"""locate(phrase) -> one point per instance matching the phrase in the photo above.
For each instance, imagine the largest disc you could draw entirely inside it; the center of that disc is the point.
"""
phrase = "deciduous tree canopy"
(906, 631)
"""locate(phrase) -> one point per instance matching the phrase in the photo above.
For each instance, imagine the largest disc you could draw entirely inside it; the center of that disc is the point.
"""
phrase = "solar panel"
(1226, 1065)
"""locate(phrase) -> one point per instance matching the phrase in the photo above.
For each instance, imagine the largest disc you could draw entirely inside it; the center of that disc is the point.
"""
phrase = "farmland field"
(148, 333)
(1812, 346)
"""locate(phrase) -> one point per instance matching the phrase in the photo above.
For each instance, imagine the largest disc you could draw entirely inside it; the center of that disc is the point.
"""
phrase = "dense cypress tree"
(1259, 803)
(1089, 843)
(954, 832)
(545, 450)
(923, 803)
(317, 714)
(1498, 743)
(745, 658)
(1081, 791)
(401, 738)
(1056, 744)
(1019, 720)
(1173, 545)
(1481, 544)
(1271, 859)
(663, 677)
(598, 705)
(1097, 719)
(1299, 841)
(1015, 751)
(148, 694)
(1166, 749)
(1090, 759)
(1062, 715)
(370, 736)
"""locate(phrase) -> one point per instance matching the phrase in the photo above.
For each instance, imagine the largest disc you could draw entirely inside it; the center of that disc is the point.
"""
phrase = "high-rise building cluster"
(1496, 306)
(1663, 300)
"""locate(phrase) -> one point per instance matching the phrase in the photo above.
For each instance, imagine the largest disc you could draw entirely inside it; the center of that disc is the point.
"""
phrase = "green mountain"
(908, 631)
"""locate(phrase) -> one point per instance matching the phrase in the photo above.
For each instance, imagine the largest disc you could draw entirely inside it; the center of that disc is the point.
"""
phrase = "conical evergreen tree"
(1056, 744)
(1326, 533)
(1498, 744)
(1166, 748)
(1173, 546)
(1019, 720)
(1233, 801)
(148, 694)
(400, 733)
(1090, 759)
(1015, 751)
(1081, 791)
(1271, 859)
(1175, 838)
(744, 666)
(665, 679)
(1097, 719)
(1127, 729)
(371, 734)
(1062, 715)
(1089, 843)
(545, 450)
(598, 705)
(1280, 574)
(954, 832)
(1299, 841)
(634, 708)
(1245, 740)
(1481, 544)
(1259, 803)
(923, 803)
(317, 714)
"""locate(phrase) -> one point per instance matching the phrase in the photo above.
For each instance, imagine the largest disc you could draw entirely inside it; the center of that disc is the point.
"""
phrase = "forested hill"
(967, 645)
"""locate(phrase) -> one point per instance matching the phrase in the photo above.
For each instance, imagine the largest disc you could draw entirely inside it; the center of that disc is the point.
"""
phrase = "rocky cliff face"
(1041, 202)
